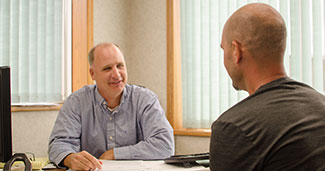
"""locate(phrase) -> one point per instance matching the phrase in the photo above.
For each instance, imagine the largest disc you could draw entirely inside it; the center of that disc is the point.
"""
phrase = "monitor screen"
(5, 115)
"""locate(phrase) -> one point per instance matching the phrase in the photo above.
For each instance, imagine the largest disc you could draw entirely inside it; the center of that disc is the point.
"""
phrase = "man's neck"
(258, 82)
(113, 102)
(259, 73)
(258, 76)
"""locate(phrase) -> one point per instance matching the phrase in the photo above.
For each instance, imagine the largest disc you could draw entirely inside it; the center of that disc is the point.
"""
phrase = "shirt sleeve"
(65, 136)
(158, 137)
(231, 149)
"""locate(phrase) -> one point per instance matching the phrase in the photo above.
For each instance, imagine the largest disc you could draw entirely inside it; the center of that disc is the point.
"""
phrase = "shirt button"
(110, 137)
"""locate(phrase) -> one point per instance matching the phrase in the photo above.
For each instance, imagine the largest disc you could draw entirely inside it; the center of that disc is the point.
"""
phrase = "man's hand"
(108, 155)
(82, 161)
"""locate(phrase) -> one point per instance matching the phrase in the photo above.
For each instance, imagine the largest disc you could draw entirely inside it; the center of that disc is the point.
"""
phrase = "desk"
(139, 165)
(134, 165)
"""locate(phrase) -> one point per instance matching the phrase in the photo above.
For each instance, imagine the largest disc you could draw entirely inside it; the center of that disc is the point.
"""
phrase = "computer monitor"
(5, 115)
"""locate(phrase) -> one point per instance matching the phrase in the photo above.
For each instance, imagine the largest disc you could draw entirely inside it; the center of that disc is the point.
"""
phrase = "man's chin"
(115, 91)
(118, 87)
(236, 87)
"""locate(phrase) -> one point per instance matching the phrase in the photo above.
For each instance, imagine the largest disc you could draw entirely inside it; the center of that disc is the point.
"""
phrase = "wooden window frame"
(82, 42)
(174, 81)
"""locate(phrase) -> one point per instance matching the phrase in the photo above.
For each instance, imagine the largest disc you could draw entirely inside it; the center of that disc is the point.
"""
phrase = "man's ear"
(236, 50)
(91, 72)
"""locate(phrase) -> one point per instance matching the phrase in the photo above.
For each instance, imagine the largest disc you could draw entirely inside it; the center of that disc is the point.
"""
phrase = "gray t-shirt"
(280, 127)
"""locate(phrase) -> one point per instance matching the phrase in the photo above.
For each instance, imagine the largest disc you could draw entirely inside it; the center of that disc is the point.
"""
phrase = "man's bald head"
(91, 54)
(260, 29)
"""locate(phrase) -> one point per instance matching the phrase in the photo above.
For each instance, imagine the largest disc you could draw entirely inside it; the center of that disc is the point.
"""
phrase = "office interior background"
(139, 27)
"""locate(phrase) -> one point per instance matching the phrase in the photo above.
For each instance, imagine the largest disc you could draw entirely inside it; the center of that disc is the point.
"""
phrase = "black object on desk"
(189, 160)
(18, 157)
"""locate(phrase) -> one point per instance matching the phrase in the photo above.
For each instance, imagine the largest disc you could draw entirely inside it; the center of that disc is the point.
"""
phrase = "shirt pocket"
(126, 137)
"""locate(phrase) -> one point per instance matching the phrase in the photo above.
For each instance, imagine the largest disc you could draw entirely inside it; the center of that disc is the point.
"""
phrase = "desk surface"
(134, 165)
(140, 165)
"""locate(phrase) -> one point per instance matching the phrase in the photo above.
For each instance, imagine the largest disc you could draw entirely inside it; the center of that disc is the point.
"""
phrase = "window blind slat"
(23, 64)
(14, 45)
(295, 57)
(32, 42)
(41, 51)
(306, 41)
(4, 29)
(263, 1)
(49, 50)
(57, 51)
(213, 60)
(240, 3)
(205, 55)
(196, 55)
(188, 61)
(318, 45)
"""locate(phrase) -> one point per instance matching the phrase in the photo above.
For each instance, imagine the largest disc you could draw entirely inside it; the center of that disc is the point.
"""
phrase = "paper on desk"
(139, 165)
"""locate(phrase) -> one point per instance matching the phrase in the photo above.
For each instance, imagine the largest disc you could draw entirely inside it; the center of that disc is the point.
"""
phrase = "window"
(194, 35)
(35, 43)
(80, 21)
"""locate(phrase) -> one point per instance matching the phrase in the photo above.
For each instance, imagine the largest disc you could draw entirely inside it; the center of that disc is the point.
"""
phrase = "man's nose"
(116, 73)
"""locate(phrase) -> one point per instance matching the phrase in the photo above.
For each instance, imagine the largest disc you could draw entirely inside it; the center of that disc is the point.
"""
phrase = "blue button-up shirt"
(136, 129)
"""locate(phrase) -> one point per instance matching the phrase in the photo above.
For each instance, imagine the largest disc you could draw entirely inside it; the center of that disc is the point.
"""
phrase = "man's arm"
(82, 161)
(108, 155)
(158, 137)
(64, 143)
(65, 136)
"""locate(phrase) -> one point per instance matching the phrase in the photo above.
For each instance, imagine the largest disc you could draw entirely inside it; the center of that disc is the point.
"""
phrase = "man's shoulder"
(138, 90)
(83, 92)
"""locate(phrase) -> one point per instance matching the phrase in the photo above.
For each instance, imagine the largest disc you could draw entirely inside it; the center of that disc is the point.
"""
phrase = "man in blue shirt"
(109, 120)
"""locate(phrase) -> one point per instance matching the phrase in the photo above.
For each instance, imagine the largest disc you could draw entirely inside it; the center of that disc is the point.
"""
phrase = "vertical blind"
(31, 44)
(207, 88)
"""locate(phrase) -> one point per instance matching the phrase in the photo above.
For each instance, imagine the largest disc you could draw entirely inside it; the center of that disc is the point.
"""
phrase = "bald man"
(109, 120)
(281, 125)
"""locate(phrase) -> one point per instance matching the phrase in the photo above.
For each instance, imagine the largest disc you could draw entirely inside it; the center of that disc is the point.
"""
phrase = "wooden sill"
(35, 108)
(193, 132)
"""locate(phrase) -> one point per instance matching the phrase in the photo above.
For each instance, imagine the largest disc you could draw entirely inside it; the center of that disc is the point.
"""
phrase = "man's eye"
(107, 69)
(120, 65)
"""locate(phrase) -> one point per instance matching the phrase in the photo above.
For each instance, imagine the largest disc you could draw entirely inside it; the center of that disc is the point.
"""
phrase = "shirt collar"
(100, 99)
(273, 83)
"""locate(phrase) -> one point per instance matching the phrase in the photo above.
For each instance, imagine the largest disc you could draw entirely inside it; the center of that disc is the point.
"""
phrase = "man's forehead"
(105, 47)
(110, 50)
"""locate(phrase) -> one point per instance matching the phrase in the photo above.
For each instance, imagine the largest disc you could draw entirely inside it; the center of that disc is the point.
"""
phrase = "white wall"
(31, 131)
